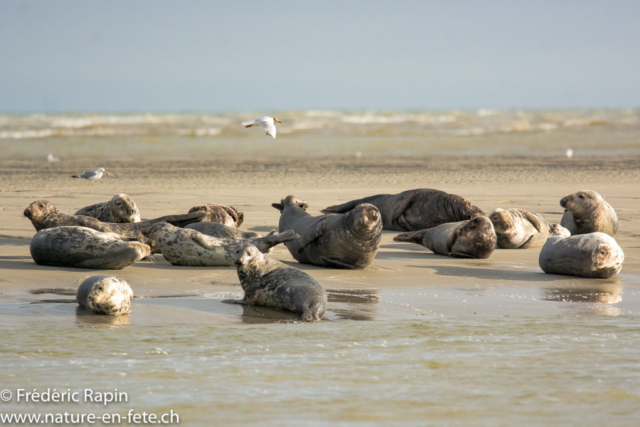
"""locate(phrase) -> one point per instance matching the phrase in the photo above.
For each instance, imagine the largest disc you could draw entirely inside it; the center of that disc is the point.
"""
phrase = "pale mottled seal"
(105, 295)
(348, 240)
(270, 283)
(595, 255)
(519, 229)
(586, 212)
(221, 231)
(227, 215)
(119, 209)
(83, 247)
(473, 238)
(181, 246)
(415, 210)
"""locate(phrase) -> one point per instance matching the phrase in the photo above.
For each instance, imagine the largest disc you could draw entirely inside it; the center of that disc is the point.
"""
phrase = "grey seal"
(119, 209)
(415, 210)
(587, 212)
(186, 247)
(270, 283)
(221, 231)
(473, 238)
(105, 295)
(348, 240)
(227, 215)
(82, 247)
(594, 255)
(519, 229)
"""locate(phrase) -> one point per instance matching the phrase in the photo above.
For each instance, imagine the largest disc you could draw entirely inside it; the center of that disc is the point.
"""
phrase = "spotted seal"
(348, 240)
(119, 209)
(82, 247)
(586, 212)
(221, 231)
(473, 238)
(415, 210)
(270, 283)
(519, 229)
(227, 215)
(105, 295)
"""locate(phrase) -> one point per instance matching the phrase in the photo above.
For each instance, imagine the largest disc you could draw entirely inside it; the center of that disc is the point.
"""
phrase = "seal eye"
(581, 196)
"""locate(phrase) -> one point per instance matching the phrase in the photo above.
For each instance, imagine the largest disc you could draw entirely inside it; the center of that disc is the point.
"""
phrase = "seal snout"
(563, 202)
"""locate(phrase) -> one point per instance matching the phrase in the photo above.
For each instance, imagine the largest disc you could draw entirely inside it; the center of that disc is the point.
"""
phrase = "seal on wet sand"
(227, 215)
(415, 210)
(473, 238)
(270, 283)
(348, 240)
(221, 231)
(83, 247)
(587, 212)
(105, 295)
(119, 209)
(519, 229)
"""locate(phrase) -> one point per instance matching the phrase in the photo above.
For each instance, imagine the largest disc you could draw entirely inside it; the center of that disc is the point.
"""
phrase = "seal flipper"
(345, 207)
(312, 237)
(413, 237)
(534, 220)
(397, 216)
(332, 262)
(451, 241)
(526, 244)
(265, 243)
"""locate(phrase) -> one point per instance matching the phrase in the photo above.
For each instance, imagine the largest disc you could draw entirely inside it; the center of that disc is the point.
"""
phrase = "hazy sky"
(156, 55)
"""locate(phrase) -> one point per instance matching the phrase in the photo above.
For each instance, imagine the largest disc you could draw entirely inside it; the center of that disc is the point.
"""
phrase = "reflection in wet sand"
(603, 295)
(352, 304)
(86, 317)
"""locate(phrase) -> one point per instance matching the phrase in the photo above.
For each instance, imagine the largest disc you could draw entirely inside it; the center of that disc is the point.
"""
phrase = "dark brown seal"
(227, 215)
(415, 210)
(119, 209)
(587, 212)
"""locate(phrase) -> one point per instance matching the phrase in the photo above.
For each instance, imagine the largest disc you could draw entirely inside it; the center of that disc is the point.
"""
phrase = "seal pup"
(92, 175)
(348, 240)
(473, 238)
(227, 215)
(519, 229)
(415, 210)
(587, 212)
(222, 231)
(119, 209)
(187, 247)
(83, 247)
(270, 283)
(594, 255)
(105, 295)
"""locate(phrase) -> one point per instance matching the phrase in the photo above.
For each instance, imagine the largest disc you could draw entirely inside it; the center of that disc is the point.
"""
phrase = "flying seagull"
(266, 123)
(91, 175)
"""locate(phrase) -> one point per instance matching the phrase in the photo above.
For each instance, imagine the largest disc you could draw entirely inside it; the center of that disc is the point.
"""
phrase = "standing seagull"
(91, 175)
(266, 123)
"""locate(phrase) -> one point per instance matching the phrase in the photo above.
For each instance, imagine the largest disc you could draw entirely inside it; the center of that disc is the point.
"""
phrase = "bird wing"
(267, 124)
(87, 174)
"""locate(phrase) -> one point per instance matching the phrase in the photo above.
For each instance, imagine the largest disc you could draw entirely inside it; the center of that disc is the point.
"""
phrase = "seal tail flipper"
(278, 206)
(413, 237)
(265, 243)
(181, 220)
(313, 313)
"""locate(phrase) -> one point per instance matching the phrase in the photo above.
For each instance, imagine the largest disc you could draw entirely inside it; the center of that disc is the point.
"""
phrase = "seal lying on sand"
(83, 247)
(181, 246)
(586, 212)
(227, 215)
(348, 240)
(519, 229)
(270, 283)
(595, 255)
(119, 209)
(221, 231)
(415, 210)
(105, 295)
(474, 238)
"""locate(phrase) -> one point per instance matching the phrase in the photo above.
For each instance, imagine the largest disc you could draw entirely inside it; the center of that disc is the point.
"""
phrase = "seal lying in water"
(415, 210)
(182, 246)
(587, 212)
(83, 247)
(348, 240)
(270, 283)
(473, 238)
(227, 215)
(594, 255)
(221, 231)
(519, 229)
(105, 295)
(44, 215)
(119, 209)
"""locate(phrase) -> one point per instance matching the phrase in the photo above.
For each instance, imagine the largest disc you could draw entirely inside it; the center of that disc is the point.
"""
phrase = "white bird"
(569, 153)
(266, 123)
(91, 175)
(51, 158)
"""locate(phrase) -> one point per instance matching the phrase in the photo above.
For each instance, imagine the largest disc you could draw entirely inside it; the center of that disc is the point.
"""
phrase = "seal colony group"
(346, 236)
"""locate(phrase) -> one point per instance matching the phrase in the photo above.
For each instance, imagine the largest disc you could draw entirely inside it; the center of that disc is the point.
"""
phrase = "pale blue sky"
(157, 55)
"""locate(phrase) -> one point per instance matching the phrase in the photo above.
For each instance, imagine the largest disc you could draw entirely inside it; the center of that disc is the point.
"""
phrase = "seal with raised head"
(222, 231)
(119, 209)
(473, 238)
(269, 283)
(519, 229)
(415, 210)
(105, 295)
(348, 240)
(182, 246)
(587, 212)
(593, 255)
(82, 247)
(227, 215)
